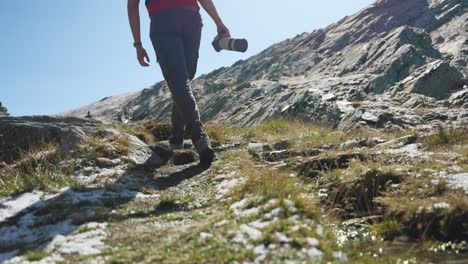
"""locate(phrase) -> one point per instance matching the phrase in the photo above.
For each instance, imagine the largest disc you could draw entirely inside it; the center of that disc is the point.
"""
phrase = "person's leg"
(171, 55)
(191, 35)
(192, 26)
(178, 129)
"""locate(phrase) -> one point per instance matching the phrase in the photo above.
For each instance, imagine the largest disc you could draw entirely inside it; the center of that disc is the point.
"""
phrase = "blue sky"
(58, 55)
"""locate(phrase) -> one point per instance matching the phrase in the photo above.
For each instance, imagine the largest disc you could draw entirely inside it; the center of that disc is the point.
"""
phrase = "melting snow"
(315, 254)
(12, 206)
(458, 181)
(86, 243)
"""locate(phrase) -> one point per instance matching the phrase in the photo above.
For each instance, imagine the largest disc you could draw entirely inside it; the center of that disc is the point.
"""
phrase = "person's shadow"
(35, 226)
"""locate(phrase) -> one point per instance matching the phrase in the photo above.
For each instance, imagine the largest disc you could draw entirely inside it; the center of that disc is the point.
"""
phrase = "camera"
(223, 43)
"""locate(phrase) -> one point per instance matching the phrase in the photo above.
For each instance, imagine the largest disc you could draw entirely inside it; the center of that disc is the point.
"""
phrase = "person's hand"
(223, 31)
(142, 56)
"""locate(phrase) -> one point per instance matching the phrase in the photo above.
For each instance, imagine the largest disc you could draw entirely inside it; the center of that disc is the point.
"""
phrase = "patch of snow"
(226, 186)
(204, 236)
(312, 241)
(47, 260)
(319, 230)
(8, 255)
(253, 233)
(12, 206)
(282, 237)
(247, 233)
(315, 254)
(260, 224)
(271, 203)
(340, 256)
(221, 223)
(237, 206)
(249, 212)
(411, 151)
(261, 250)
(275, 213)
(442, 205)
(83, 244)
(25, 232)
(458, 181)
(291, 205)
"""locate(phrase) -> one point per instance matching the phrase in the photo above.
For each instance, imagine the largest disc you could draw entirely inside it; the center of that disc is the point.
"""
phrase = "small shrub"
(354, 196)
(388, 229)
(217, 135)
(160, 131)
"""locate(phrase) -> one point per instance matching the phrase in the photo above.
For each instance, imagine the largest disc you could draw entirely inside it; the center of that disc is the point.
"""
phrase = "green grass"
(36, 255)
(39, 169)
(388, 229)
(446, 137)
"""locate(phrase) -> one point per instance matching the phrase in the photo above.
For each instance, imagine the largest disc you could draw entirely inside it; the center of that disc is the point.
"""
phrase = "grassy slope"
(377, 199)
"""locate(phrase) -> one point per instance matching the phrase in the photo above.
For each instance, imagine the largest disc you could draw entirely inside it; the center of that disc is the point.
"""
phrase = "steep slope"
(372, 68)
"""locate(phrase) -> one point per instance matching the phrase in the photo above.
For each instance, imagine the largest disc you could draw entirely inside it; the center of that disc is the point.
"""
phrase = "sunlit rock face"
(383, 62)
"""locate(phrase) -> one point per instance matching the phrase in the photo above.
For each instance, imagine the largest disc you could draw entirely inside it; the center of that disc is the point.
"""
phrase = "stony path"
(76, 223)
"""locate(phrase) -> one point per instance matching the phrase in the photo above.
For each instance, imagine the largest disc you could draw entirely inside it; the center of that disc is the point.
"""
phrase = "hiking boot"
(176, 146)
(204, 150)
(176, 143)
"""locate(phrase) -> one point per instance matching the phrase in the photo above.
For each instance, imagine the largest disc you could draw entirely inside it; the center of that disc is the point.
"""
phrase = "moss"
(36, 255)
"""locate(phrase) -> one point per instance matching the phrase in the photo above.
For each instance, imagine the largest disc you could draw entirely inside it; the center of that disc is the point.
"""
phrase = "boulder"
(19, 134)
(437, 79)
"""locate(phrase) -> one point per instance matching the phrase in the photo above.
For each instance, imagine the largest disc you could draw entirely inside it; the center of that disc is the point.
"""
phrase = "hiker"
(175, 33)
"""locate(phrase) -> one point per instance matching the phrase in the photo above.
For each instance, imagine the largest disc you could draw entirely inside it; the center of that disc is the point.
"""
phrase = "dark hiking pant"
(176, 34)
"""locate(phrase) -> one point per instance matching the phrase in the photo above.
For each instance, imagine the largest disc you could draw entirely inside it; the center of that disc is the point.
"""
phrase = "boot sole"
(207, 157)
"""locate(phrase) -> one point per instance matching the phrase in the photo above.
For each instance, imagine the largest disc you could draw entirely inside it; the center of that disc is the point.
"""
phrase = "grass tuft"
(36, 255)
(446, 137)
(388, 229)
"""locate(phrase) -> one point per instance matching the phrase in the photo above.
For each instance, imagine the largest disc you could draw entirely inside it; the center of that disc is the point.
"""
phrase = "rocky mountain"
(3, 110)
(395, 64)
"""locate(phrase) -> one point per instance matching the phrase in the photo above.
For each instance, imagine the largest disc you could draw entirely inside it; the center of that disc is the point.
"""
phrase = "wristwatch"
(137, 44)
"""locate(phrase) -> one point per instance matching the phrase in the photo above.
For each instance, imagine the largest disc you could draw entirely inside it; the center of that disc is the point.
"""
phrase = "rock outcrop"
(19, 134)
(3, 110)
(374, 68)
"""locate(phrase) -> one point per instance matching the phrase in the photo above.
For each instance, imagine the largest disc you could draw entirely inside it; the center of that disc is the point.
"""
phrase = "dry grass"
(428, 209)
(445, 138)
(140, 130)
(39, 169)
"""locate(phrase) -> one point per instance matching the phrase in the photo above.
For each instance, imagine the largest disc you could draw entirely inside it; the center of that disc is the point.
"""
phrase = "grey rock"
(140, 152)
(3, 111)
(18, 134)
(71, 138)
(437, 79)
